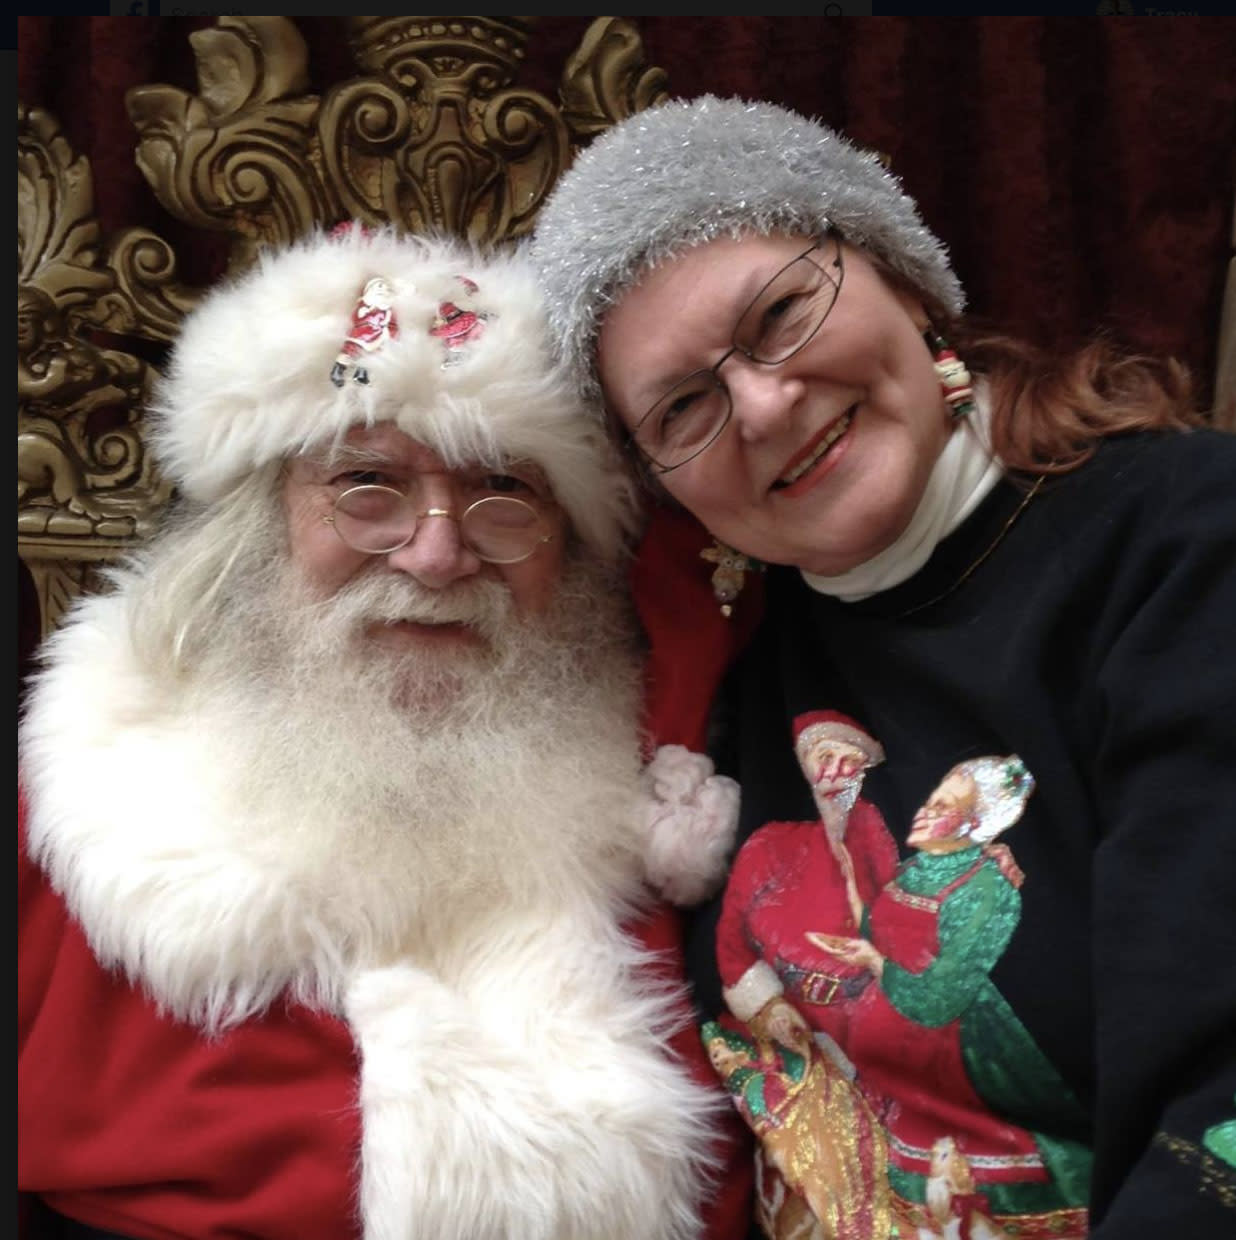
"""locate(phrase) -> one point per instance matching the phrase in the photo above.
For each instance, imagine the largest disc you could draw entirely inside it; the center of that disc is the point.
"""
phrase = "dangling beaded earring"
(730, 574)
(954, 378)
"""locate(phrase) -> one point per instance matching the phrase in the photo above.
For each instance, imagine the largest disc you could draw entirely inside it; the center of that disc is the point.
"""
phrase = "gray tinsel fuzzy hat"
(686, 172)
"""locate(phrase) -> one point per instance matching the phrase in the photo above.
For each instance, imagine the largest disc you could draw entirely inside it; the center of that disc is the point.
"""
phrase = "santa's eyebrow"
(350, 456)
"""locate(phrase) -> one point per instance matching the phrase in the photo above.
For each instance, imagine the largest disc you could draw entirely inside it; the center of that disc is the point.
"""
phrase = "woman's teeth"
(838, 428)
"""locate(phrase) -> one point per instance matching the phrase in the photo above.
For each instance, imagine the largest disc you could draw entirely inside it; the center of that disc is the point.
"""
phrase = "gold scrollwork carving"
(437, 137)
(236, 157)
(85, 487)
(607, 78)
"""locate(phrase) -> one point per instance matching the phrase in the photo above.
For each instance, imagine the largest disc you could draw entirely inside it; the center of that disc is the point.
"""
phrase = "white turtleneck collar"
(962, 476)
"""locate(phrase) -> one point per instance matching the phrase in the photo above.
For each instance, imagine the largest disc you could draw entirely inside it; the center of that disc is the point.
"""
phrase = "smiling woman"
(815, 455)
(972, 549)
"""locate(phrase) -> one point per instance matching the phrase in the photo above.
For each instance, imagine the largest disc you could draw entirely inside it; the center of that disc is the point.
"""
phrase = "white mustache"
(387, 599)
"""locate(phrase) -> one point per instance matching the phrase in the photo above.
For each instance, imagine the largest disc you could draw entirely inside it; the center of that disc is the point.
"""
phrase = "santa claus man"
(333, 916)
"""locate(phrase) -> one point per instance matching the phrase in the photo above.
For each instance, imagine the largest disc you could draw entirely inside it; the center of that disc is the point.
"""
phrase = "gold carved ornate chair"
(433, 131)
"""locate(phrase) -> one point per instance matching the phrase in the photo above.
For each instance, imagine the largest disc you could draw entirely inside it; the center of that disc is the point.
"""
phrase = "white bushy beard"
(416, 788)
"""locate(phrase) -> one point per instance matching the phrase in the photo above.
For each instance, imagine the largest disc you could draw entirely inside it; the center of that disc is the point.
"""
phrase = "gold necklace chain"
(995, 542)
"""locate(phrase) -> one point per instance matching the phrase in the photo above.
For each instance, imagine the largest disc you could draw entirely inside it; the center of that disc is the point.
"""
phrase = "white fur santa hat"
(250, 381)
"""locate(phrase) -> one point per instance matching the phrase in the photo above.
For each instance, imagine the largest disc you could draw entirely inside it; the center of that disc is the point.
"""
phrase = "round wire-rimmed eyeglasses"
(779, 321)
(498, 529)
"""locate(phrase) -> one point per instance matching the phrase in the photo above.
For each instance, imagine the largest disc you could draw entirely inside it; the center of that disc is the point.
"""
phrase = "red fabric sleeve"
(135, 1123)
(728, 1210)
(690, 646)
(690, 643)
(750, 872)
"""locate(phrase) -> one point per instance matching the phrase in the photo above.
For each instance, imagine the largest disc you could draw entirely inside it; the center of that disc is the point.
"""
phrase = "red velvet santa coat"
(137, 1123)
(170, 1083)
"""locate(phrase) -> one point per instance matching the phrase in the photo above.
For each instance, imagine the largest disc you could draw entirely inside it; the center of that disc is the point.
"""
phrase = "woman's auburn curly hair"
(1049, 413)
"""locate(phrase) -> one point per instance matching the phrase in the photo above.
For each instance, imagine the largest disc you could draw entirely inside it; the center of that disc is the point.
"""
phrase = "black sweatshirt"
(1096, 640)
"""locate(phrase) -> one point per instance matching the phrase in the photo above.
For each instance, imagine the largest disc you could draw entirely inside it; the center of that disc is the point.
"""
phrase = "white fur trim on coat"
(691, 817)
(509, 1107)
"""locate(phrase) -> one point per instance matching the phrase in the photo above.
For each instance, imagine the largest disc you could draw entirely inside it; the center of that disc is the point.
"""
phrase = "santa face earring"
(955, 381)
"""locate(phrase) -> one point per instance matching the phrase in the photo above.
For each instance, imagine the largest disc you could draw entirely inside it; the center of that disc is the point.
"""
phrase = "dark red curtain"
(1079, 168)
